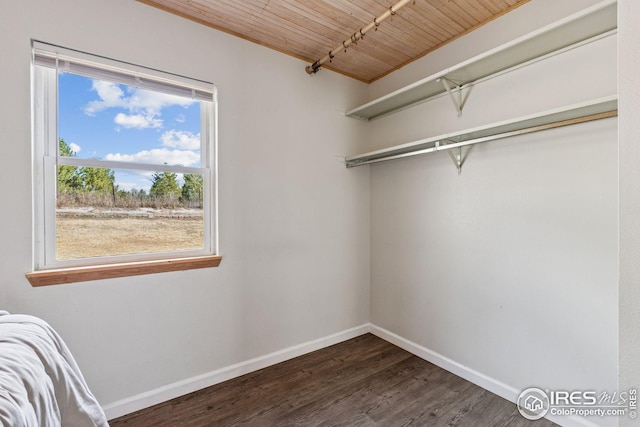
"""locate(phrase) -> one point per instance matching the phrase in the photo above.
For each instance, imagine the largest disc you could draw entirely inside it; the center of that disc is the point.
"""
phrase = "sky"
(109, 121)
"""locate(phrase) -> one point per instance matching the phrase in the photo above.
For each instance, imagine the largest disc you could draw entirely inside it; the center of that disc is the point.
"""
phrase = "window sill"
(83, 274)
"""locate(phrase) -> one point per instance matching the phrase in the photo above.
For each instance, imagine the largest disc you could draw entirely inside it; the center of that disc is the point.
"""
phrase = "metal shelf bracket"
(458, 157)
(456, 98)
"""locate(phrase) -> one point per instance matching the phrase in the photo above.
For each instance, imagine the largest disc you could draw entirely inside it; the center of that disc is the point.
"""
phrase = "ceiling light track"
(358, 35)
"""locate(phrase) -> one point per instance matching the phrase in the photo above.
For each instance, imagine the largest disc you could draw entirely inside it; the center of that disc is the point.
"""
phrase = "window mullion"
(50, 189)
(109, 164)
(208, 132)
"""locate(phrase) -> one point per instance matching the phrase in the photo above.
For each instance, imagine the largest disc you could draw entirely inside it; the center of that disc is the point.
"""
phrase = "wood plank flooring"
(365, 381)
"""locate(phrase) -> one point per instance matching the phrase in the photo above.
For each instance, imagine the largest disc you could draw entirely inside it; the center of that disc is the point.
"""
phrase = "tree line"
(81, 185)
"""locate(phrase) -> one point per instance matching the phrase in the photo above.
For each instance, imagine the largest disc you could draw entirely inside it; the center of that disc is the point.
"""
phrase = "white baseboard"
(180, 388)
(491, 384)
(488, 383)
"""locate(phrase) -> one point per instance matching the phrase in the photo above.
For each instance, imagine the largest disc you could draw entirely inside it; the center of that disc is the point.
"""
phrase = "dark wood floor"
(361, 382)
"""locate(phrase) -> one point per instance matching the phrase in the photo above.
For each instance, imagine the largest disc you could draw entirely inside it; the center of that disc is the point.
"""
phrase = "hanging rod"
(358, 35)
(581, 113)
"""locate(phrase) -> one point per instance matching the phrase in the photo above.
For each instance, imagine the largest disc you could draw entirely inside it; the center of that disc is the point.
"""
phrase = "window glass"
(111, 121)
(104, 219)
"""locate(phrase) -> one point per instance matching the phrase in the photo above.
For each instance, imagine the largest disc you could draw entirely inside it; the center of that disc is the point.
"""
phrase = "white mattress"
(40, 383)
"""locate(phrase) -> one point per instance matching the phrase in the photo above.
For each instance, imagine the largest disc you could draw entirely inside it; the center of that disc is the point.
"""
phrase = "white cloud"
(75, 147)
(128, 186)
(141, 104)
(159, 156)
(110, 96)
(180, 118)
(137, 121)
(180, 139)
(142, 99)
(129, 180)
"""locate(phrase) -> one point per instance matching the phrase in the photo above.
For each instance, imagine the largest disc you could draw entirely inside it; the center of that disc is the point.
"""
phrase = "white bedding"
(40, 383)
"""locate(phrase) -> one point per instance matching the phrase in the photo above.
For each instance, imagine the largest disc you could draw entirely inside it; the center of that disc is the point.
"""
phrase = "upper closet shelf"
(573, 114)
(575, 29)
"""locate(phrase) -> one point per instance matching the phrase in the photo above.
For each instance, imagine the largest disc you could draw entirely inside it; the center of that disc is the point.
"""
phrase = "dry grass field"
(81, 236)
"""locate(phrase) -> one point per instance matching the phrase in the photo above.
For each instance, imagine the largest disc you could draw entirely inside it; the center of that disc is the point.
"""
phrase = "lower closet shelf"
(578, 113)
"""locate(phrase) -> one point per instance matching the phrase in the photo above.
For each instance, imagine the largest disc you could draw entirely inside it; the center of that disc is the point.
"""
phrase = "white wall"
(510, 269)
(629, 24)
(294, 223)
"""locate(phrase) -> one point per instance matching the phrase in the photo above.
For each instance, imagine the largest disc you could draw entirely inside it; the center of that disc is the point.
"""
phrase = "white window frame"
(48, 61)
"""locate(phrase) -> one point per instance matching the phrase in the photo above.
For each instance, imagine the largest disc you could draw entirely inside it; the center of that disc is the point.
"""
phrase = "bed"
(40, 383)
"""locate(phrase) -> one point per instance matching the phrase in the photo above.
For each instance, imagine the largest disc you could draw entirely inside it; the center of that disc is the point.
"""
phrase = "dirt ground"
(86, 236)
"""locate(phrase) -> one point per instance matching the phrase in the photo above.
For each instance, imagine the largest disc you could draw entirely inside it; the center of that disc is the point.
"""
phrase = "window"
(124, 164)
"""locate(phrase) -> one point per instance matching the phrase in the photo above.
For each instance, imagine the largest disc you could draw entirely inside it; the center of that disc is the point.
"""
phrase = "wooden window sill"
(97, 272)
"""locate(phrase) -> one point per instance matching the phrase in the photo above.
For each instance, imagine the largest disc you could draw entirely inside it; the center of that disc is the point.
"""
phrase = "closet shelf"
(578, 113)
(573, 30)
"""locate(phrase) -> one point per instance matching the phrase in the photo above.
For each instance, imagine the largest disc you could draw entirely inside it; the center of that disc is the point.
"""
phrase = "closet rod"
(358, 35)
(448, 145)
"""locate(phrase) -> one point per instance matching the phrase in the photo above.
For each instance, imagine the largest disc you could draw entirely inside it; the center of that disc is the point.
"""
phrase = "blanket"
(40, 383)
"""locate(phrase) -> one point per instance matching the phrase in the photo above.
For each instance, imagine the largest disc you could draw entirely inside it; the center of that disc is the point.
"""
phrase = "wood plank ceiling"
(309, 29)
